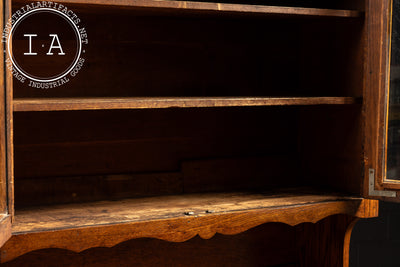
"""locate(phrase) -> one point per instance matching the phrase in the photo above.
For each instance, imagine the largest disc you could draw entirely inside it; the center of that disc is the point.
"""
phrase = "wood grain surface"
(128, 137)
(57, 104)
(3, 131)
(376, 96)
(125, 220)
(5, 228)
(219, 7)
(267, 245)
(9, 125)
(155, 208)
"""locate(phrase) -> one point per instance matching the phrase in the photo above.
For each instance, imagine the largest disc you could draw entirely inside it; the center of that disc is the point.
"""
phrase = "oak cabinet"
(197, 118)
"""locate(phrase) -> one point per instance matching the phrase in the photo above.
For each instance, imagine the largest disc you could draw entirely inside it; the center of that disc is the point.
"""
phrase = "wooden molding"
(182, 229)
(214, 7)
(58, 104)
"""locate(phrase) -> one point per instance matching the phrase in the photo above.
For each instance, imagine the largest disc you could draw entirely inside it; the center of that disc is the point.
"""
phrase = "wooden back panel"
(168, 151)
(133, 53)
(331, 149)
(94, 155)
(63, 157)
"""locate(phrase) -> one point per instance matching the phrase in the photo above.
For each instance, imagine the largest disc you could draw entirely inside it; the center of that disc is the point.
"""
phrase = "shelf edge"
(182, 229)
(218, 7)
(65, 104)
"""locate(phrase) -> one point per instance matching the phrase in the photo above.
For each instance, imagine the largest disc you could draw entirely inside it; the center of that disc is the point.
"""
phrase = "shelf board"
(215, 7)
(108, 223)
(59, 104)
(156, 208)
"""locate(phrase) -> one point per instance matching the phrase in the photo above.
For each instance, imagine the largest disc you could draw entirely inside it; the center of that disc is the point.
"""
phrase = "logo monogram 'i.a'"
(52, 46)
(45, 44)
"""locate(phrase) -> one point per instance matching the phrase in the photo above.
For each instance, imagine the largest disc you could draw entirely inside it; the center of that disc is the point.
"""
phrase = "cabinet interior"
(81, 156)
(147, 54)
(78, 156)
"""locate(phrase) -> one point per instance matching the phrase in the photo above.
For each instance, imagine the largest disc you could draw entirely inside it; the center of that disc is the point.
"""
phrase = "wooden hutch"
(240, 133)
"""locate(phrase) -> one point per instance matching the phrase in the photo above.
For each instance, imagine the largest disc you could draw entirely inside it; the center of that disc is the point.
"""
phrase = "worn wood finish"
(375, 106)
(57, 104)
(156, 208)
(6, 190)
(182, 227)
(5, 228)
(3, 130)
(269, 244)
(193, 105)
(384, 15)
(382, 181)
(219, 7)
(379, 84)
(264, 246)
(10, 126)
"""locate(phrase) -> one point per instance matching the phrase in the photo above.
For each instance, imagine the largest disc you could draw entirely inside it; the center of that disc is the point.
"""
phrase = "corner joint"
(373, 191)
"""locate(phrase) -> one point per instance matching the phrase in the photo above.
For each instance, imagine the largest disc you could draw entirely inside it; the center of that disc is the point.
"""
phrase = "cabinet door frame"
(386, 53)
(376, 96)
(6, 151)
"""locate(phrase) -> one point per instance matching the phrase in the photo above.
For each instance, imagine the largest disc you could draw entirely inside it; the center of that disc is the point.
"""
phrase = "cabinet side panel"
(5, 84)
(9, 126)
(5, 219)
(3, 176)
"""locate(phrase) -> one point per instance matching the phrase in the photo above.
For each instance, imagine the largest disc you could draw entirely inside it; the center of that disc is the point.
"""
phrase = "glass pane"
(393, 135)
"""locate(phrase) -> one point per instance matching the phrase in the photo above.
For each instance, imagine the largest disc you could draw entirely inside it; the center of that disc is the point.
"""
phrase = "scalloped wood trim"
(182, 229)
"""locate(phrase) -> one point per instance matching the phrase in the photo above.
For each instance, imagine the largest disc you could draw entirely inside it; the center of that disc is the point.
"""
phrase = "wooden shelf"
(217, 7)
(58, 104)
(108, 223)
(156, 208)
